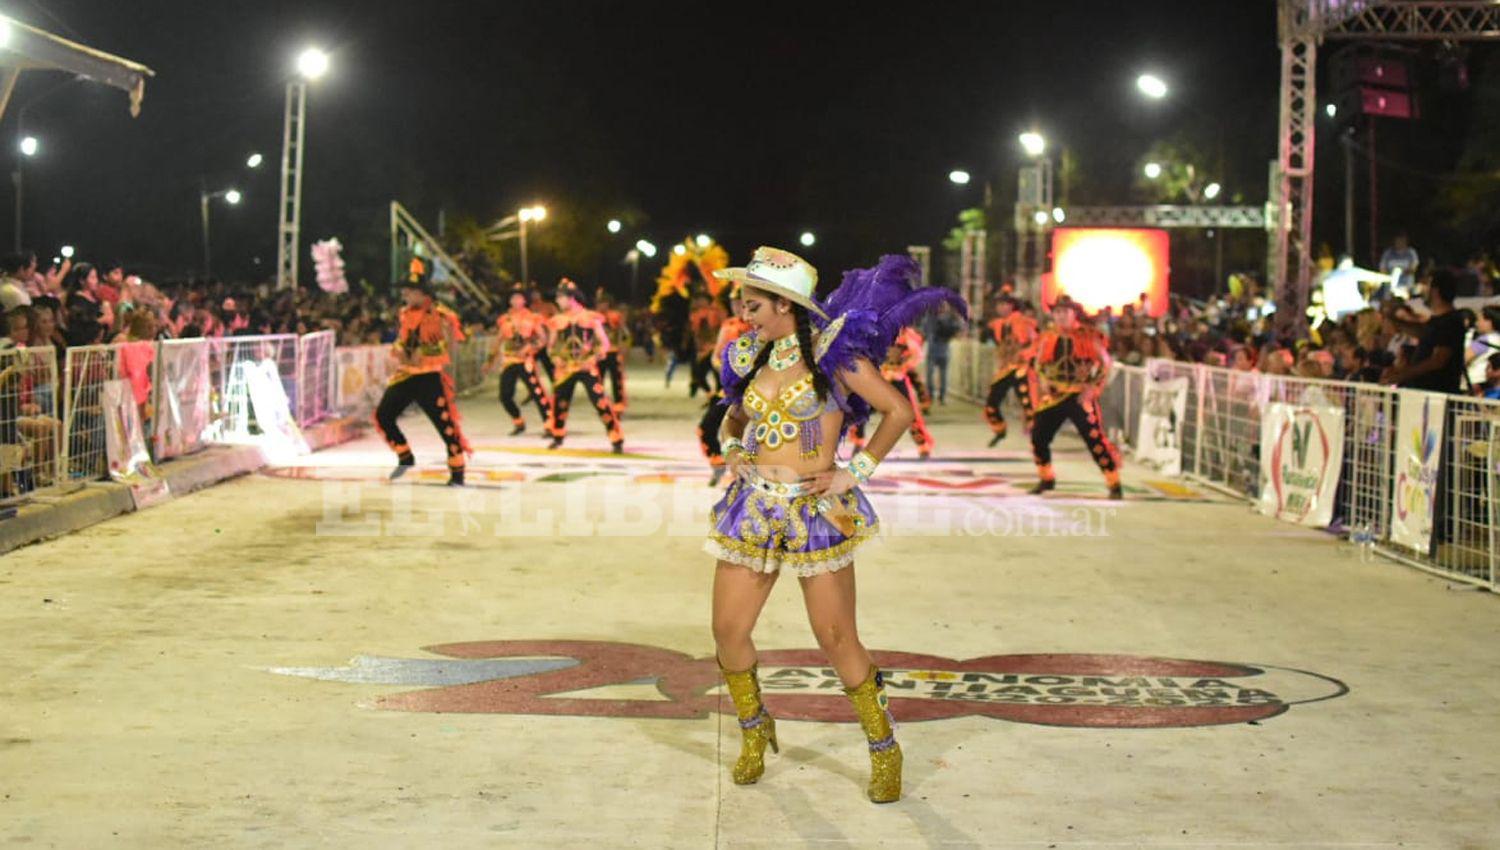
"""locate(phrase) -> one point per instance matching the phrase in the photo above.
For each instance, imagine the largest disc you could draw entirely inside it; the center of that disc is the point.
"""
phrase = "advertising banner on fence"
(182, 415)
(1419, 446)
(125, 445)
(1163, 407)
(361, 374)
(273, 414)
(1301, 457)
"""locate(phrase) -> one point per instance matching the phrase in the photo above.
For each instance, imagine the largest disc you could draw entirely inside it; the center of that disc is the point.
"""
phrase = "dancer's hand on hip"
(831, 482)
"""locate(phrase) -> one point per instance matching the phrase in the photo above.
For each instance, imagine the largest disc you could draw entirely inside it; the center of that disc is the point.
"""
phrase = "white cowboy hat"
(779, 273)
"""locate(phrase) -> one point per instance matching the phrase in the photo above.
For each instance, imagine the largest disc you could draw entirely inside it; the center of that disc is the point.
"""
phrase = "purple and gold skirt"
(767, 525)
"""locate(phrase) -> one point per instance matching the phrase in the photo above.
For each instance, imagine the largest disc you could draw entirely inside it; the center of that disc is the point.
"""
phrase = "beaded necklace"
(785, 353)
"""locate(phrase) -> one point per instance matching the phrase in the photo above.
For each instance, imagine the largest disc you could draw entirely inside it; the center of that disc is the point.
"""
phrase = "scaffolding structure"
(408, 237)
(1302, 26)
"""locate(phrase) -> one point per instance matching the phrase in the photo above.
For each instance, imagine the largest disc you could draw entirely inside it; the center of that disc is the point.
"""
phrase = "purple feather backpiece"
(875, 304)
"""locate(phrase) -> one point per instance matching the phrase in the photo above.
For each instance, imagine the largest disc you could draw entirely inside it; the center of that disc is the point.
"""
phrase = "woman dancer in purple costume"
(793, 385)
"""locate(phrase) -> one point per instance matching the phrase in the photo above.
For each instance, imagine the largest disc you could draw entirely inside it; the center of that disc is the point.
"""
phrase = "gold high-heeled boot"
(756, 725)
(885, 754)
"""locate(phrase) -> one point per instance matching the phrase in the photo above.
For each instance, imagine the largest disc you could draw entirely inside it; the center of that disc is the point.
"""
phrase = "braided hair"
(804, 345)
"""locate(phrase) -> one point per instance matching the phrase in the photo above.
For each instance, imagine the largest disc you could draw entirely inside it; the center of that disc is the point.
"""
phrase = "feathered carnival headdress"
(866, 313)
(677, 276)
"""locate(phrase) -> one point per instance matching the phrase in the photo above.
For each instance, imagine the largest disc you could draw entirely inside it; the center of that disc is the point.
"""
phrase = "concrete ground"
(313, 656)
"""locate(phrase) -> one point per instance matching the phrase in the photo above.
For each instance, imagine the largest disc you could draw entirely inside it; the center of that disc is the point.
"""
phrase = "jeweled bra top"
(795, 411)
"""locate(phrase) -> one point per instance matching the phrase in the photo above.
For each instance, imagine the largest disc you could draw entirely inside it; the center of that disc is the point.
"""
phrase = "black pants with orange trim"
(994, 412)
(593, 384)
(1088, 419)
(704, 377)
(613, 371)
(708, 430)
(509, 377)
(919, 432)
(426, 391)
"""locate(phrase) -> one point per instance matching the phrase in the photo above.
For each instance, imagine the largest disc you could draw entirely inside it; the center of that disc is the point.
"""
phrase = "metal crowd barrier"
(1220, 444)
(30, 429)
(314, 378)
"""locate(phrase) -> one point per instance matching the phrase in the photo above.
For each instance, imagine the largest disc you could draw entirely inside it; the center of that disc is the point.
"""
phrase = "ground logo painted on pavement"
(606, 679)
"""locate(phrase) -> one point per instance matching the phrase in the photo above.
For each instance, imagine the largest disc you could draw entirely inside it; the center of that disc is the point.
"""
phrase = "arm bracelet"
(730, 444)
(862, 466)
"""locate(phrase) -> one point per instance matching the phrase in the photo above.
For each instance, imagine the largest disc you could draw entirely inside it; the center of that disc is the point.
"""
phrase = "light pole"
(536, 213)
(1034, 205)
(28, 148)
(232, 196)
(642, 247)
(312, 63)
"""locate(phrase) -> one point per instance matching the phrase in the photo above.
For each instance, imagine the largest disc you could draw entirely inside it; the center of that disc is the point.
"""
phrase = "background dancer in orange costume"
(898, 369)
(612, 364)
(1068, 368)
(520, 335)
(578, 341)
(420, 354)
(713, 417)
(1014, 332)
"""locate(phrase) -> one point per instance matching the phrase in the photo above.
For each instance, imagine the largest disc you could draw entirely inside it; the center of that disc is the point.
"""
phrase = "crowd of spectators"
(1425, 342)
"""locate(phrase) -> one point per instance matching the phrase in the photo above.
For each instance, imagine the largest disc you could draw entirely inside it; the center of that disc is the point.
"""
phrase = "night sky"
(751, 121)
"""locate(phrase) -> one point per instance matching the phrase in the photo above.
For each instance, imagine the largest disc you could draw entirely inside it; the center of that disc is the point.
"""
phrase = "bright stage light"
(679, 249)
(254, 161)
(959, 176)
(67, 251)
(614, 225)
(1040, 217)
(232, 196)
(645, 248)
(808, 239)
(1151, 86)
(1212, 191)
(1058, 215)
(312, 63)
(29, 145)
(1331, 110)
(703, 240)
(4, 32)
(1033, 143)
(1152, 170)
(1109, 267)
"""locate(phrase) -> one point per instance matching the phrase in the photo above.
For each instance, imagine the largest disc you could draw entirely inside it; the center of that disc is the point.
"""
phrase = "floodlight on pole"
(4, 32)
(1152, 170)
(1033, 143)
(959, 176)
(526, 214)
(312, 63)
(29, 146)
(1040, 217)
(645, 247)
(1212, 191)
(1331, 110)
(614, 225)
(254, 161)
(1058, 215)
(1151, 86)
(807, 239)
(232, 196)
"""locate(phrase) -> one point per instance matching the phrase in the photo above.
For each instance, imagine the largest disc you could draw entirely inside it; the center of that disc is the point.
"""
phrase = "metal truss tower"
(291, 185)
(1302, 25)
